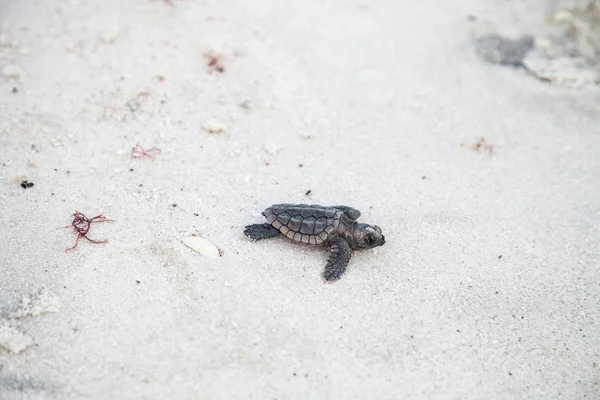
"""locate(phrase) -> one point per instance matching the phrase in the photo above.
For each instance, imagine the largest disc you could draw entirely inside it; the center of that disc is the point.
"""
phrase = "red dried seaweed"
(139, 152)
(215, 62)
(81, 226)
(482, 145)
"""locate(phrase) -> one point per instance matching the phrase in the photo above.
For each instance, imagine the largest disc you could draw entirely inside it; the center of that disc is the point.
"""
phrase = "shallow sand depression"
(181, 121)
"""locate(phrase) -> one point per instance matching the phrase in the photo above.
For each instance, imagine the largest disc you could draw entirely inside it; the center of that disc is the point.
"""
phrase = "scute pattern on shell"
(310, 224)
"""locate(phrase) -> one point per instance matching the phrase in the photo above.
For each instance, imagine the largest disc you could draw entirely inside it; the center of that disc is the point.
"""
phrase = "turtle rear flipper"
(338, 260)
(261, 231)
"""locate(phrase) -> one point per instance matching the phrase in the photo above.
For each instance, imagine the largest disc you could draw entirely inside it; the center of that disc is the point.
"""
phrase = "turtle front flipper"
(338, 259)
(261, 231)
(350, 212)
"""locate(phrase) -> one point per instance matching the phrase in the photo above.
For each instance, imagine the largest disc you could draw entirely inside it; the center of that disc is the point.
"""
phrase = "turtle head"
(368, 236)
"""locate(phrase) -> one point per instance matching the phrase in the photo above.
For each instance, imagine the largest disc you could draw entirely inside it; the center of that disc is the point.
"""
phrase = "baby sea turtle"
(334, 226)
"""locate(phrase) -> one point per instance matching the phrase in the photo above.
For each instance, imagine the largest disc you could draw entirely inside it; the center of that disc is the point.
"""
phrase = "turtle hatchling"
(334, 226)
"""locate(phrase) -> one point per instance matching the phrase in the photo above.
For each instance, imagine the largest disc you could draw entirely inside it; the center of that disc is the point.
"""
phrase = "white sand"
(369, 98)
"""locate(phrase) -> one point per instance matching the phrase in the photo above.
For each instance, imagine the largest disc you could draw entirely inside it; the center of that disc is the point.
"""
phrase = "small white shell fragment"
(13, 340)
(110, 35)
(202, 246)
(4, 39)
(272, 148)
(214, 126)
(561, 16)
(12, 71)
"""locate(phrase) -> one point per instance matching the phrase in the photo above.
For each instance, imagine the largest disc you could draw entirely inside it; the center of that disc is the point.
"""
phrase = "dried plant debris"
(568, 56)
(81, 226)
(139, 152)
(582, 23)
(480, 146)
(202, 246)
(572, 57)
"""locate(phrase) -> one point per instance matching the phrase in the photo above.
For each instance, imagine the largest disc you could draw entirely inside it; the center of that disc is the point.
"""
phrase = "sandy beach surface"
(484, 179)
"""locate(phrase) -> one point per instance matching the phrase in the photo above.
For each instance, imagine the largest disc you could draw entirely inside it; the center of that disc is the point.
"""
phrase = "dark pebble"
(502, 50)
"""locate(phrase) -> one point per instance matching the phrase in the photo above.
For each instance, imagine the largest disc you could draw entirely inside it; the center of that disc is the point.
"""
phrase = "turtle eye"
(370, 239)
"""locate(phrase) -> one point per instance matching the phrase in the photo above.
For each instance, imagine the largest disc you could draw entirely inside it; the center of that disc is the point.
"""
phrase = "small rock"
(26, 184)
(214, 126)
(202, 246)
(12, 71)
